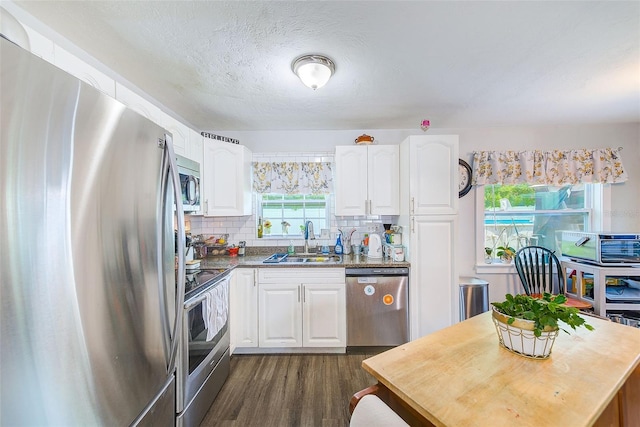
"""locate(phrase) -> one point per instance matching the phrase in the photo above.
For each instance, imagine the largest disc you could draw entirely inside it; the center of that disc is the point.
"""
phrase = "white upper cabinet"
(85, 72)
(367, 180)
(40, 45)
(431, 163)
(179, 131)
(137, 103)
(226, 174)
(194, 148)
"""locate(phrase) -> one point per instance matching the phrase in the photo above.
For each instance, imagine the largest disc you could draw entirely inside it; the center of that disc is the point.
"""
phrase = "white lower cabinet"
(302, 307)
(244, 308)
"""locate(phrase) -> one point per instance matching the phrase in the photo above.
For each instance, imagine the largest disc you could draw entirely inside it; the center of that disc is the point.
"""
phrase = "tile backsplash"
(245, 227)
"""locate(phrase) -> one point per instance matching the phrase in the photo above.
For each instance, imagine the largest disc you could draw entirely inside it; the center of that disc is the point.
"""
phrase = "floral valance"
(292, 177)
(554, 167)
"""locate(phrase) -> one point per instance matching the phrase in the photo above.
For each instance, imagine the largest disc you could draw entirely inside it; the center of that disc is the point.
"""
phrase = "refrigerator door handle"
(172, 172)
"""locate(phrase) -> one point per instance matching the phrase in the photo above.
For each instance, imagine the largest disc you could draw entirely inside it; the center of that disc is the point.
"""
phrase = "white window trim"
(599, 221)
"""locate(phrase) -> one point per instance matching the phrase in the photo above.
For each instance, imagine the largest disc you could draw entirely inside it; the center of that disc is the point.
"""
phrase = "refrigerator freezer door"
(83, 327)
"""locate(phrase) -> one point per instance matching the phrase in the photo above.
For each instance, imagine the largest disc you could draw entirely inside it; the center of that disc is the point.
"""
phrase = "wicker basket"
(520, 339)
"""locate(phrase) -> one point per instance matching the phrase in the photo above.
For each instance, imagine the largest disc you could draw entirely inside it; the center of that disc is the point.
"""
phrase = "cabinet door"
(324, 315)
(40, 45)
(433, 174)
(280, 315)
(138, 103)
(383, 164)
(179, 131)
(244, 308)
(433, 273)
(85, 72)
(351, 180)
(227, 179)
(194, 147)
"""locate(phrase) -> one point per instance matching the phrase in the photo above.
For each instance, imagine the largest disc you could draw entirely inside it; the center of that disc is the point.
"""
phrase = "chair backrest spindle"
(537, 267)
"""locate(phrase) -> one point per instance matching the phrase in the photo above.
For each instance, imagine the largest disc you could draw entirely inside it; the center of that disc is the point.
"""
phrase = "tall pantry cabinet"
(429, 216)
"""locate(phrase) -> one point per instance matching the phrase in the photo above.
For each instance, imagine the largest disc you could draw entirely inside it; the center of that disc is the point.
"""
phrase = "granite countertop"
(254, 261)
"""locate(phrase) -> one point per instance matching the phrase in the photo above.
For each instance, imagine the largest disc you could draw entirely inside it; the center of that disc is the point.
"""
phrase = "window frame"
(293, 233)
(598, 220)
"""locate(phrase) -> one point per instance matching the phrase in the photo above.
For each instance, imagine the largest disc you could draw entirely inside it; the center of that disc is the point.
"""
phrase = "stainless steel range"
(203, 361)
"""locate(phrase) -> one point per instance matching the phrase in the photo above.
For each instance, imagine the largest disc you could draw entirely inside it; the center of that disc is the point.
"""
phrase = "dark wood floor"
(289, 390)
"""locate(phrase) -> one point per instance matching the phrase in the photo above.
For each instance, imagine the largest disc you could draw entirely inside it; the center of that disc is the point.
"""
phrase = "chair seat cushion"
(571, 302)
(371, 411)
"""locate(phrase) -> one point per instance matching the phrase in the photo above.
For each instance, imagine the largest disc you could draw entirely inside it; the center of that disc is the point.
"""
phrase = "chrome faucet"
(308, 231)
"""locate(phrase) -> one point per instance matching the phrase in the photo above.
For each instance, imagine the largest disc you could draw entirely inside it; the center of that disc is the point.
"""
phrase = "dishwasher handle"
(377, 271)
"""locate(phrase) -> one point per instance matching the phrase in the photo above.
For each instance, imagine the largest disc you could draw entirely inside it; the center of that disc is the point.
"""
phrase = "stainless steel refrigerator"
(88, 294)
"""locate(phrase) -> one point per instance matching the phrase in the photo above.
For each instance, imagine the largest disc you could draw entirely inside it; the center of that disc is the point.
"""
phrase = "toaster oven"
(600, 248)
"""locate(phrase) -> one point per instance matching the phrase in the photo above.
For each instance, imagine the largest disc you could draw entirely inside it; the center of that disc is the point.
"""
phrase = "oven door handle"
(188, 305)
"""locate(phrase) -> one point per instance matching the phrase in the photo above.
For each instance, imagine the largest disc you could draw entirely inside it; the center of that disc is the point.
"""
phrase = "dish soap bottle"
(260, 228)
(291, 249)
(339, 245)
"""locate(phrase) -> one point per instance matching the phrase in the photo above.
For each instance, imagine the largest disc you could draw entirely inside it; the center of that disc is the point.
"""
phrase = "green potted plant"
(529, 326)
(487, 255)
(505, 253)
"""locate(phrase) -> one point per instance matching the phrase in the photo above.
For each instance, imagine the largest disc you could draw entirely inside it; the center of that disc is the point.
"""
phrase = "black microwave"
(607, 249)
(189, 171)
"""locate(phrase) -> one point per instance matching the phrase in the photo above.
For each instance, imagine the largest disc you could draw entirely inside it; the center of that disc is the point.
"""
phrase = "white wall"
(625, 198)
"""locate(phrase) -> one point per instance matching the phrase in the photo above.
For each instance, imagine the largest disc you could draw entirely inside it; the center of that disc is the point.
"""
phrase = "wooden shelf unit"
(600, 274)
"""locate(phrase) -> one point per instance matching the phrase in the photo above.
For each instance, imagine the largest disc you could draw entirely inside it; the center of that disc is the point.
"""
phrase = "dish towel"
(215, 308)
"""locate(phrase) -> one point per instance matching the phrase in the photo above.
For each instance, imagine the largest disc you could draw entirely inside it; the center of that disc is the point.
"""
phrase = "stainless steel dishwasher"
(377, 306)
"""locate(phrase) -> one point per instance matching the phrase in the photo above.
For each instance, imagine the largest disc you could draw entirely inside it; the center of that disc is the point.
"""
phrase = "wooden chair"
(378, 406)
(540, 271)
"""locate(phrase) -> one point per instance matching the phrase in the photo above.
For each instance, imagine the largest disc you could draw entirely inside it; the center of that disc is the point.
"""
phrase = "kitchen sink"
(312, 258)
(307, 259)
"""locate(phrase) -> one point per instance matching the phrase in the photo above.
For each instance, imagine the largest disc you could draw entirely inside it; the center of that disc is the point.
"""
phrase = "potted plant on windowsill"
(505, 253)
(529, 326)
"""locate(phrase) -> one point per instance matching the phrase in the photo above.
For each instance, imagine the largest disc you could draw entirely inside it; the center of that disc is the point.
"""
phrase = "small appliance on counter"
(375, 247)
(602, 248)
(393, 252)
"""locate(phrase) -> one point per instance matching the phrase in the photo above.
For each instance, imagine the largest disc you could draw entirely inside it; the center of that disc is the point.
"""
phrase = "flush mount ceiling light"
(314, 70)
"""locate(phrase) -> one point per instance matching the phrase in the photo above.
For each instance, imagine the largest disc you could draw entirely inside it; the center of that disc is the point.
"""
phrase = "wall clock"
(464, 177)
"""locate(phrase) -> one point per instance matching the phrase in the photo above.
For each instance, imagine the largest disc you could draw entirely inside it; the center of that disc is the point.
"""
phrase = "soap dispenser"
(339, 245)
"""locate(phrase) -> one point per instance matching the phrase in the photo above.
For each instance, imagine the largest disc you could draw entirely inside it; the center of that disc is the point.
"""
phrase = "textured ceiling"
(227, 65)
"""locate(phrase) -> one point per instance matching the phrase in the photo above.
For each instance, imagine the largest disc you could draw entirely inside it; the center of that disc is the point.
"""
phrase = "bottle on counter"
(338, 248)
(291, 249)
(260, 228)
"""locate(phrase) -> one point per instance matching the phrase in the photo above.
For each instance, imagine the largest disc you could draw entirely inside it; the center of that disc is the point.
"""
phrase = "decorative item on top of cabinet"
(364, 139)
(227, 179)
(367, 180)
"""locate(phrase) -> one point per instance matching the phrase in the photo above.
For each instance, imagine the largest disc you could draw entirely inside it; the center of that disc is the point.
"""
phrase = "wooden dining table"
(460, 376)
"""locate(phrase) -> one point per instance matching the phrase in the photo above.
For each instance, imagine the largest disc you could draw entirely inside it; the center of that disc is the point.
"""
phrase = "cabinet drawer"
(301, 275)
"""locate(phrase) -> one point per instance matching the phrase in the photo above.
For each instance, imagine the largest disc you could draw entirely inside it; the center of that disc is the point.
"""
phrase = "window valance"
(293, 177)
(555, 167)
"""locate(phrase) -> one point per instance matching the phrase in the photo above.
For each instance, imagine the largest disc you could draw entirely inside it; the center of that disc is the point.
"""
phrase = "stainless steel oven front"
(204, 360)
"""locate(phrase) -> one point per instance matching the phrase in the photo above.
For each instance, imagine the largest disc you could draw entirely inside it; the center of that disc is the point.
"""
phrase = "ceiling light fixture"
(314, 70)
